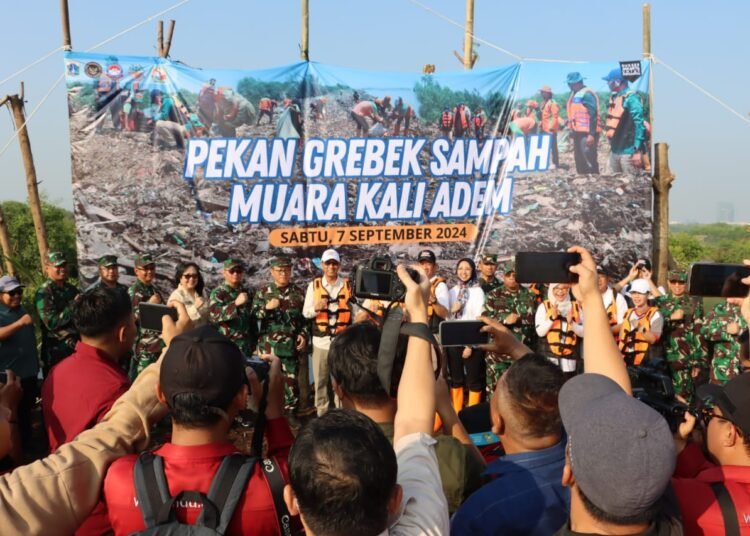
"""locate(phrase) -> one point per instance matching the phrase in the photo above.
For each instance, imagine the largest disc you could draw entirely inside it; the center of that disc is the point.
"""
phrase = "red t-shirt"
(700, 510)
(193, 468)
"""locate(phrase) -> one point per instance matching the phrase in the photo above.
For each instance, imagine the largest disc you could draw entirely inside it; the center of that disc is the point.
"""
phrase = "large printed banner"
(203, 165)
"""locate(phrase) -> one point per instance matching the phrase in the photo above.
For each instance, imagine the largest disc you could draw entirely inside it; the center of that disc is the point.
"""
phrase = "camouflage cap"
(56, 258)
(145, 259)
(107, 260)
(677, 275)
(281, 261)
(507, 267)
(489, 258)
(233, 263)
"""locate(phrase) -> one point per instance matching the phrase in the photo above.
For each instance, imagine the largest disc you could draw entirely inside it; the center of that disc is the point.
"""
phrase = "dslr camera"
(652, 385)
(377, 279)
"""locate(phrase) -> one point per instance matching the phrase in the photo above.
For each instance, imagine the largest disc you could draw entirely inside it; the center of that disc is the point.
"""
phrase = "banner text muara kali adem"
(469, 179)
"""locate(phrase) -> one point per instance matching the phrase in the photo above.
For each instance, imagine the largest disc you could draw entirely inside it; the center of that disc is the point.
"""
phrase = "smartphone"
(259, 366)
(551, 267)
(718, 280)
(151, 313)
(463, 333)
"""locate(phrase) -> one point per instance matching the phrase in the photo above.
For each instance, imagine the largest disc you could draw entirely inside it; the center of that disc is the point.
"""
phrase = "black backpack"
(158, 506)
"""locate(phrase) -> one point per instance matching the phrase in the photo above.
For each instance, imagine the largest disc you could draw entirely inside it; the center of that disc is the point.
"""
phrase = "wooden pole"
(65, 25)
(469, 36)
(5, 244)
(305, 47)
(662, 182)
(170, 31)
(16, 105)
(160, 38)
(647, 57)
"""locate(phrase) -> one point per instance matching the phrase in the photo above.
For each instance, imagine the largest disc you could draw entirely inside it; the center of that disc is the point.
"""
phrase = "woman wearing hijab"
(189, 291)
(559, 324)
(466, 303)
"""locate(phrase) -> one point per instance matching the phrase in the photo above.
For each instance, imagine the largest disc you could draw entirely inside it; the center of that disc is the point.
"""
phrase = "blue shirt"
(525, 497)
(18, 352)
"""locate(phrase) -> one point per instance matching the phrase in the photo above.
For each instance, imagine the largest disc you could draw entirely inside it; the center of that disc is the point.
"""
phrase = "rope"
(704, 91)
(30, 65)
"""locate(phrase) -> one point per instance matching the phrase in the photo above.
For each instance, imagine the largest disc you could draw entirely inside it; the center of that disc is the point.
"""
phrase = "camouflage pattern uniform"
(148, 343)
(722, 349)
(55, 307)
(279, 329)
(499, 304)
(107, 261)
(682, 346)
(232, 321)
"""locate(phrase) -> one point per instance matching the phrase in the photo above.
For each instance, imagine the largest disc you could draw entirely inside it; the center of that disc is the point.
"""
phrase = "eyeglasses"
(14, 292)
(677, 282)
(190, 276)
(279, 270)
(331, 263)
(236, 271)
(705, 415)
(149, 268)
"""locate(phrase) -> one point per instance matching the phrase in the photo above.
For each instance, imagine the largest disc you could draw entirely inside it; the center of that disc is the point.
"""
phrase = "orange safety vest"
(562, 343)
(432, 319)
(461, 114)
(265, 104)
(447, 120)
(612, 309)
(550, 116)
(578, 115)
(615, 111)
(342, 316)
(632, 342)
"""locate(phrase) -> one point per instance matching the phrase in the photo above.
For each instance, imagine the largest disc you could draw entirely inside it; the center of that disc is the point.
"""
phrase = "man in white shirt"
(328, 303)
(439, 302)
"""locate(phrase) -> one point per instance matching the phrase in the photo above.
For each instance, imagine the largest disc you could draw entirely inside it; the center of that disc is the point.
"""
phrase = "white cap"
(330, 255)
(641, 286)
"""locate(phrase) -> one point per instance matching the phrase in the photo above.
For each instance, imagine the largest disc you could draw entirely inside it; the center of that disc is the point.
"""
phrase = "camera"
(652, 385)
(259, 366)
(377, 279)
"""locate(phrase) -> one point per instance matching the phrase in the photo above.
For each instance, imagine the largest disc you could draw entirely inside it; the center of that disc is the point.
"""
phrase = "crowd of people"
(378, 452)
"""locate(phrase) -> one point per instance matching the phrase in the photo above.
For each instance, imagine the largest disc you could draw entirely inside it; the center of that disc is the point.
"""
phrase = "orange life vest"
(461, 115)
(562, 343)
(612, 309)
(322, 326)
(632, 341)
(478, 120)
(578, 115)
(265, 104)
(446, 120)
(550, 116)
(615, 111)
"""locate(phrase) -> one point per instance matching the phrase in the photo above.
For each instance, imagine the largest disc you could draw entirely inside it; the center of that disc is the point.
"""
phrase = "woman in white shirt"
(466, 365)
(189, 283)
(559, 324)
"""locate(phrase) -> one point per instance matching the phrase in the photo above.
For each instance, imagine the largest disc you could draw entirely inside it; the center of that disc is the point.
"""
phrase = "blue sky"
(708, 145)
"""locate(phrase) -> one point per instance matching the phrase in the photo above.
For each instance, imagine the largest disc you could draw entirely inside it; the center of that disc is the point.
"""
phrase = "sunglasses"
(236, 271)
(15, 292)
(190, 276)
(330, 263)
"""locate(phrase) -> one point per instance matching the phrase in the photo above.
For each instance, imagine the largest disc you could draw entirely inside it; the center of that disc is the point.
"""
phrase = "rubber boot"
(475, 397)
(457, 395)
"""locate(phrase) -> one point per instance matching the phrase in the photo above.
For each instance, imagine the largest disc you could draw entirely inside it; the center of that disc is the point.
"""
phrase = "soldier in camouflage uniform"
(54, 303)
(513, 306)
(720, 340)
(230, 308)
(283, 330)
(487, 267)
(148, 343)
(683, 318)
(109, 273)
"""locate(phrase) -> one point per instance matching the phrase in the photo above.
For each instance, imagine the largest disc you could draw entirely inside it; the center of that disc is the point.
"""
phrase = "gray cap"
(9, 283)
(621, 451)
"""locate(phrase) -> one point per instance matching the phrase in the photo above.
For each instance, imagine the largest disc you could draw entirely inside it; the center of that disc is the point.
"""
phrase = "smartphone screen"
(463, 333)
(376, 283)
(551, 267)
(151, 313)
(718, 280)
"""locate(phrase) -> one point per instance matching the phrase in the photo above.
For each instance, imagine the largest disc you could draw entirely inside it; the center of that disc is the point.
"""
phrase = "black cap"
(427, 255)
(204, 362)
(733, 398)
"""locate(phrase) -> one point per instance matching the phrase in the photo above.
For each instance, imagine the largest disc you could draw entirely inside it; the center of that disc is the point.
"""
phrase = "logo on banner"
(630, 70)
(159, 74)
(114, 71)
(93, 69)
(74, 68)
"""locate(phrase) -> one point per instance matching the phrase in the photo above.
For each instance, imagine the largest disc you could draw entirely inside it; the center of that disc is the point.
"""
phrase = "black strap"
(209, 516)
(276, 483)
(728, 511)
(150, 486)
(256, 444)
(228, 486)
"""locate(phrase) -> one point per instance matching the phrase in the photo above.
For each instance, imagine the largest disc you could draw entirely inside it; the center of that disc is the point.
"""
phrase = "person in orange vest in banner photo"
(550, 122)
(446, 123)
(624, 126)
(480, 120)
(461, 121)
(361, 111)
(524, 123)
(328, 303)
(584, 123)
(559, 324)
(642, 327)
(266, 107)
